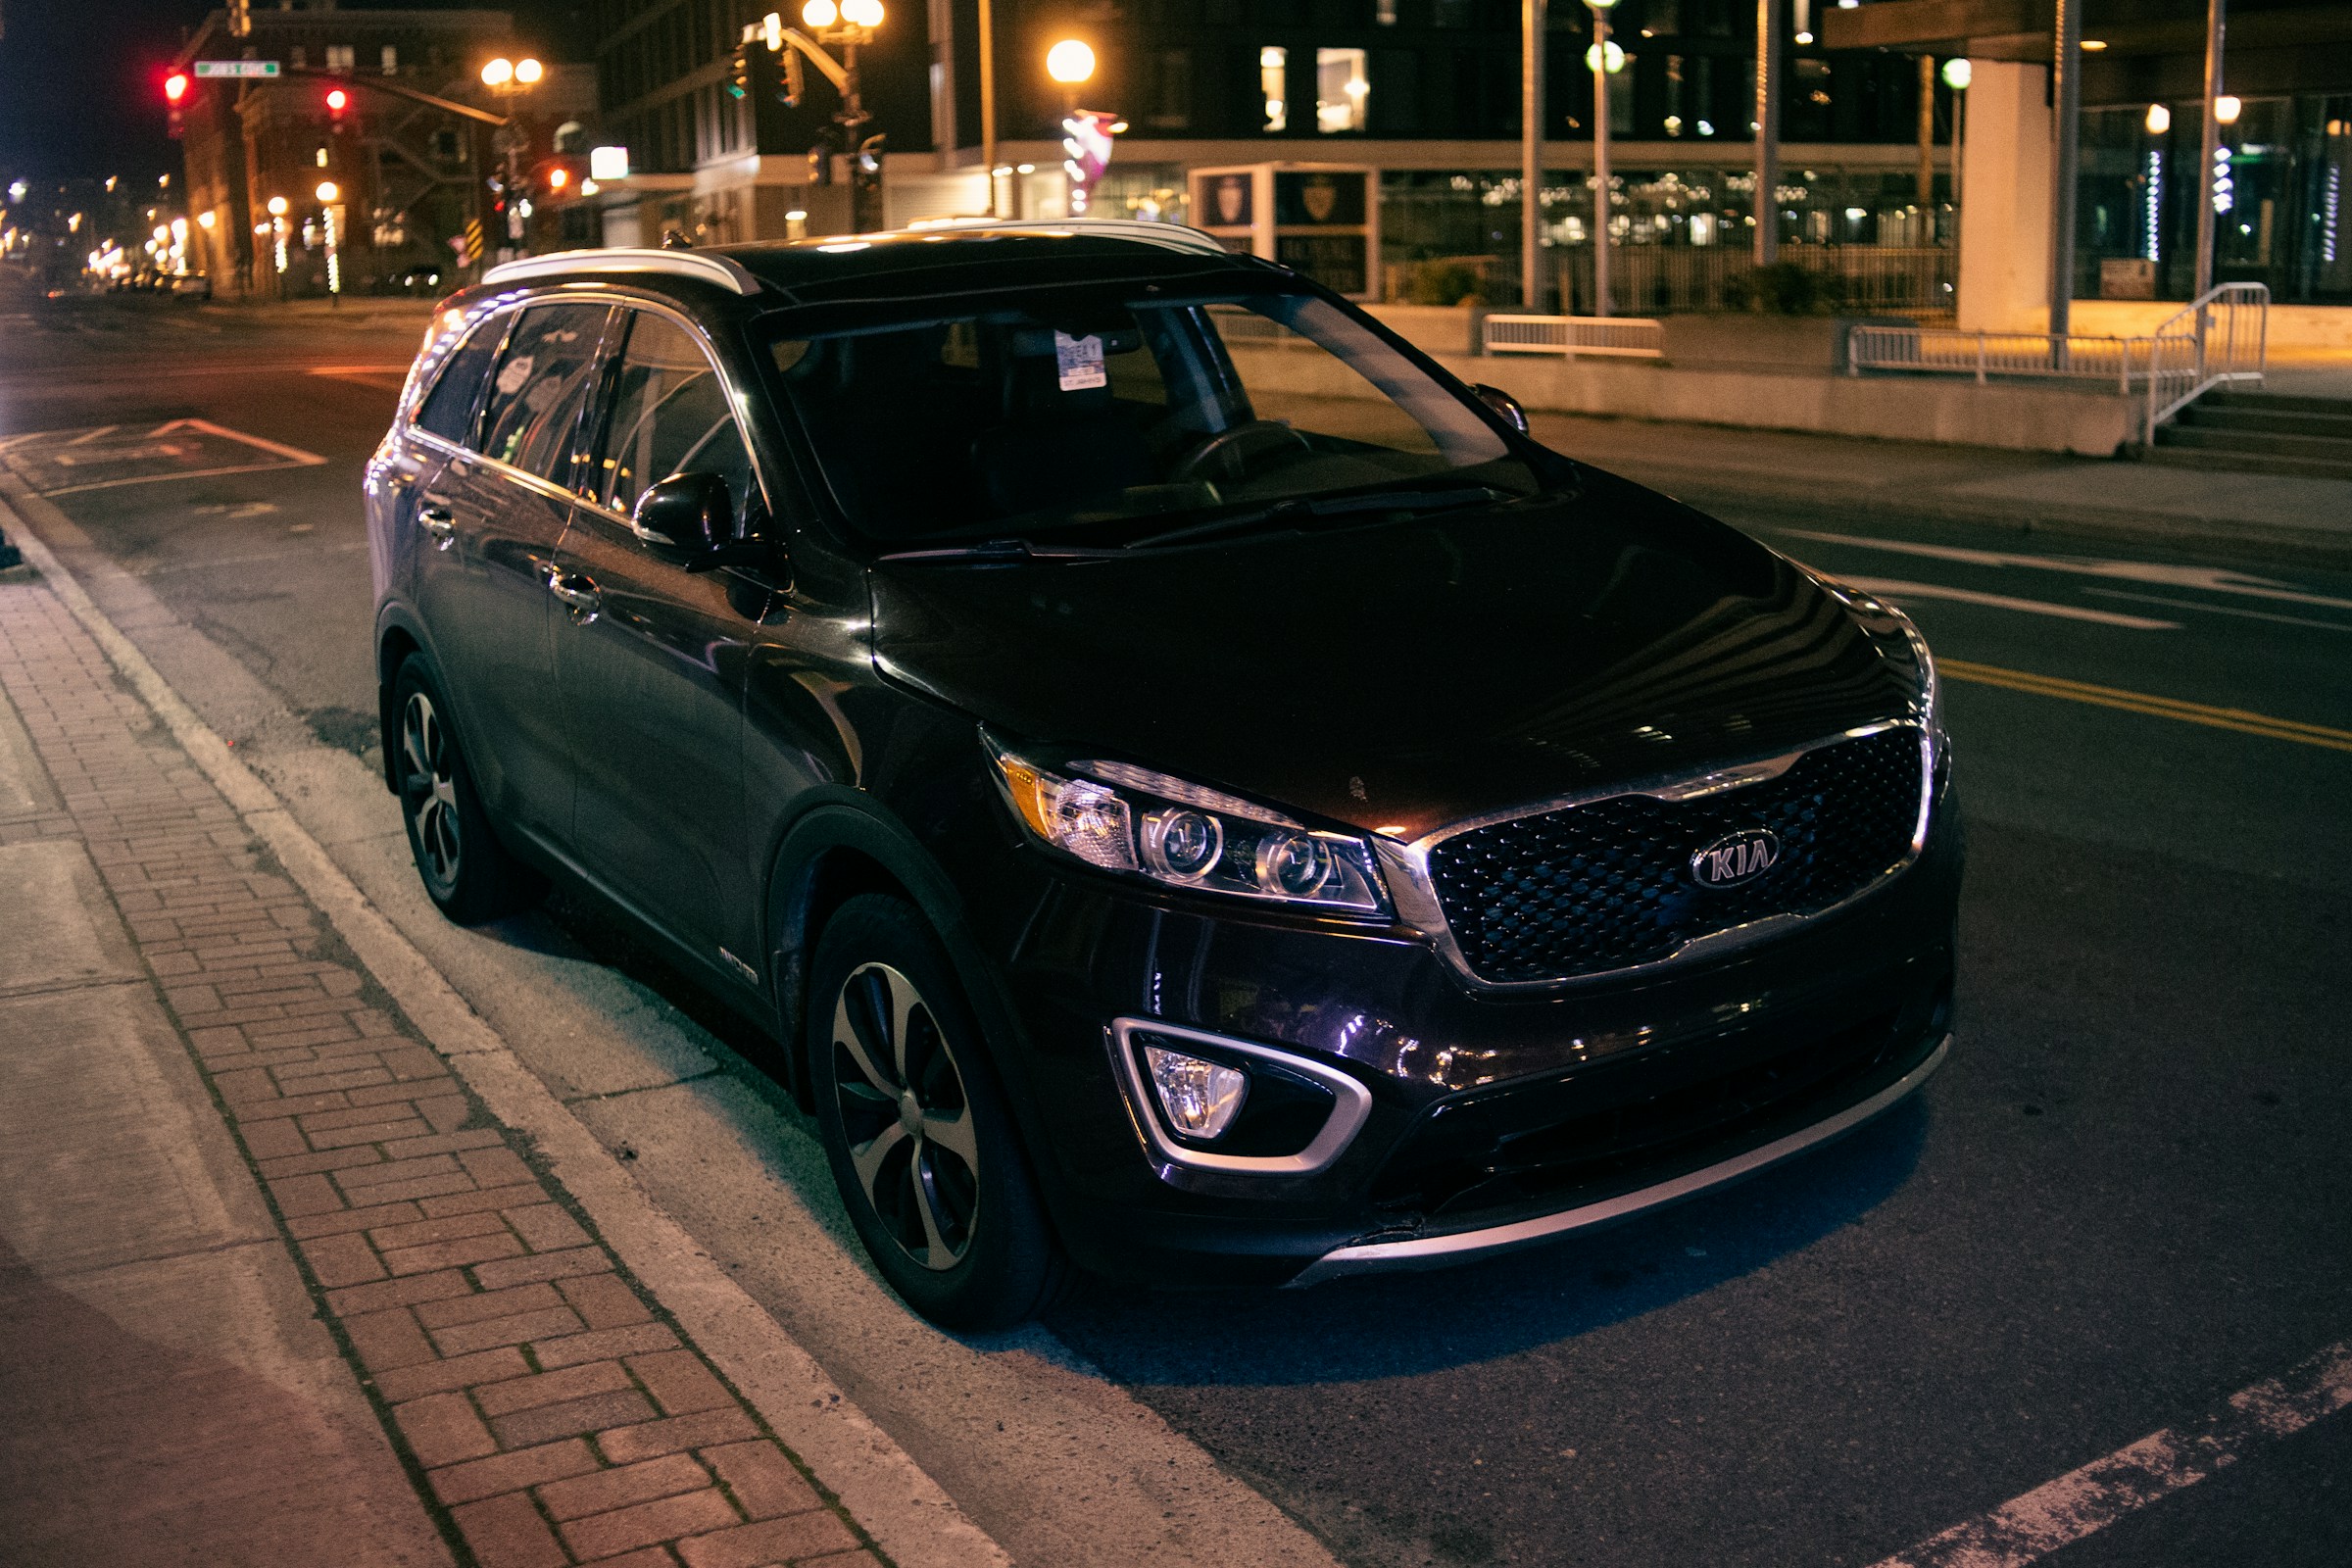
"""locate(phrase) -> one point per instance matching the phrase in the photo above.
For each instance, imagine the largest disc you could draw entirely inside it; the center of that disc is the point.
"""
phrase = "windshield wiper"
(999, 549)
(1422, 499)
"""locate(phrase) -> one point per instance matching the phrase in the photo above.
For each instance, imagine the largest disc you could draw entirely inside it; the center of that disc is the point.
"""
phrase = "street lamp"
(278, 208)
(850, 24)
(1086, 133)
(1070, 61)
(1605, 57)
(508, 77)
(1958, 74)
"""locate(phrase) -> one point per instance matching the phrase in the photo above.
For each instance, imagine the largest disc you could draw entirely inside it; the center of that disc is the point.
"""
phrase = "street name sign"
(236, 68)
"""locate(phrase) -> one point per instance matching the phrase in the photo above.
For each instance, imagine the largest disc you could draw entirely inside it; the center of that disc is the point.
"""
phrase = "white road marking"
(76, 455)
(2213, 579)
(2222, 610)
(159, 479)
(1898, 588)
(309, 459)
(2084, 1501)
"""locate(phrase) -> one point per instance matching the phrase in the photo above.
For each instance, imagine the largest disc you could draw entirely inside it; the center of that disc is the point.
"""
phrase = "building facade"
(2281, 166)
(416, 189)
(1419, 97)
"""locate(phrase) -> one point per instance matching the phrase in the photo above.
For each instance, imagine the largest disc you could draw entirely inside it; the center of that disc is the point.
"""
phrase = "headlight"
(1129, 819)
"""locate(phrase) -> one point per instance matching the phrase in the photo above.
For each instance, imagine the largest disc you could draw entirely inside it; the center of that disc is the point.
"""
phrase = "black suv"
(1196, 790)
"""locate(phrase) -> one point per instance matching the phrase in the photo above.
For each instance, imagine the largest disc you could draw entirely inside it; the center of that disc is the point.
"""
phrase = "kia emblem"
(1737, 858)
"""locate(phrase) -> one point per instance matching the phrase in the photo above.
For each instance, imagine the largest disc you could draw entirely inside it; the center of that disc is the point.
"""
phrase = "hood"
(1400, 676)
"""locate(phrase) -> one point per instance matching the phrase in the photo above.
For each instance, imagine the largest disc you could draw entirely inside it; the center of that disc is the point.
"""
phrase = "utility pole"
(2209, 143)
(987, 100)
(1531, 156)
(2066, 103)
(1600, 154)
(1768, 131)
(1927, 136)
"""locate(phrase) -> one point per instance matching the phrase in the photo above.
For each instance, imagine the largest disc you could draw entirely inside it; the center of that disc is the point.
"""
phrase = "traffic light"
(176, 91)
(338, 100)
(738, 75)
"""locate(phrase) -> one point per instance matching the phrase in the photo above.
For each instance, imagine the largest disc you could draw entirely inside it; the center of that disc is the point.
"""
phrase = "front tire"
(469, 874)
(915, 1128)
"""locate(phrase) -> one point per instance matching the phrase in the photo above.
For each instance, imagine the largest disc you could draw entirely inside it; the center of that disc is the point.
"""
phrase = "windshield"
(1112, 409)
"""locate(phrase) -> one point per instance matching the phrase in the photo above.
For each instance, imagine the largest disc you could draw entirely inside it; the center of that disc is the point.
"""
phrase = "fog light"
(1200, 1097)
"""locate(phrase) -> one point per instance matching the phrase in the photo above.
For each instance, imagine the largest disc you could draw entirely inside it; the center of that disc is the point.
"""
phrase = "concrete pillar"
(2005, 220)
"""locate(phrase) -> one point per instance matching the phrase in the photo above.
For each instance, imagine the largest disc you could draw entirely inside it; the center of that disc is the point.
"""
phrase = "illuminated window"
(341, 57)
(1384, 11)
(390, 60)
(1273, 69)
(1341, 89)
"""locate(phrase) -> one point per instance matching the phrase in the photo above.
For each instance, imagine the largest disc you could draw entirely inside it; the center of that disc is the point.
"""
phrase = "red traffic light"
(338, 100)
(176, 87)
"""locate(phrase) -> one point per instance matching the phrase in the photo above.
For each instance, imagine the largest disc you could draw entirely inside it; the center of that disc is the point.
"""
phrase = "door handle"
(579, 594)
(437, 520)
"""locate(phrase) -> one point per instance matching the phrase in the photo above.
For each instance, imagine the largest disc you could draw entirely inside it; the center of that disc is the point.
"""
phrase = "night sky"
(81, 80)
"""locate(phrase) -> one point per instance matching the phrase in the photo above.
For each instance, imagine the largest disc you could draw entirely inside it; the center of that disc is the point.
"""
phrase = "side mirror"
(1503, 403)
(693, 517)
(692, 512)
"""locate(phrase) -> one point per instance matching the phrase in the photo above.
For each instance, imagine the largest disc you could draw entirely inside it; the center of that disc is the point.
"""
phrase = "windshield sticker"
(517, 370)
(1081, 361)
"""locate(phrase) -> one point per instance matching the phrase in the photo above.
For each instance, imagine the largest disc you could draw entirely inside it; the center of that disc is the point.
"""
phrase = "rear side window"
(670, 416)
(543, 381)
(448, 410)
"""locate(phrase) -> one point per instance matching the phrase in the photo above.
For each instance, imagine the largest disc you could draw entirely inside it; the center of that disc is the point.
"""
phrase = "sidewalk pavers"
(544, 1410)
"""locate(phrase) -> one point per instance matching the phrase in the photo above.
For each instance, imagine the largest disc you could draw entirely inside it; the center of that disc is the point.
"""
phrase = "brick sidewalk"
(548, 1413)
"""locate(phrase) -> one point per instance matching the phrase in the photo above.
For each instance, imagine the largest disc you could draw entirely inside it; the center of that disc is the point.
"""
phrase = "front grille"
(1608, 885)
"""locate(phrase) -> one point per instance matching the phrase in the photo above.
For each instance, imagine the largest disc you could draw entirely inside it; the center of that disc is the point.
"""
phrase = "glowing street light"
(1070, 61)
(499, 72)
(2160, 120)
(2227, 109)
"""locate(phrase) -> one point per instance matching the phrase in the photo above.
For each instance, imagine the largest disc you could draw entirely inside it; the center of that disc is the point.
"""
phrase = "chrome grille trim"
(1413, 890)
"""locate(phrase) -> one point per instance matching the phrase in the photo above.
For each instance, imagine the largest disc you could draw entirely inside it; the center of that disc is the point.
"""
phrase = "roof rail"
(727, 274)
(1168, 236)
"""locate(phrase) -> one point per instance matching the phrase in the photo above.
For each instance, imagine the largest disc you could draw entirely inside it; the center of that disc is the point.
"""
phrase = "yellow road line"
(2129, 702)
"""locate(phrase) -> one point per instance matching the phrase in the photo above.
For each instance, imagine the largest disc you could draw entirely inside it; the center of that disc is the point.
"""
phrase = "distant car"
(1197, 791)
(192, 286)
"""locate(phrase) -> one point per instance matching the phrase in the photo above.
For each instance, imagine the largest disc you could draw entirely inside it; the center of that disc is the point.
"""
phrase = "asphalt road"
(2123, 1200)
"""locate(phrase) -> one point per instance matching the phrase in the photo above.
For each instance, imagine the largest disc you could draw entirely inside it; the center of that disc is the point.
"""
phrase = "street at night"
(1180, 784)
(2120, 1203)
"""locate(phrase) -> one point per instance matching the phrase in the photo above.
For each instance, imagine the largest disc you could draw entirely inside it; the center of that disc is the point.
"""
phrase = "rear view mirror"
(1503, 403)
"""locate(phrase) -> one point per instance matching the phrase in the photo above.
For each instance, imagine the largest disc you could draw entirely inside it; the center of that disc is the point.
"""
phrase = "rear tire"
(915, 1128)
(469, 874)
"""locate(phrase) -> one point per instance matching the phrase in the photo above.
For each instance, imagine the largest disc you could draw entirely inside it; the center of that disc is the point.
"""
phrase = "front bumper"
(1495, 1122)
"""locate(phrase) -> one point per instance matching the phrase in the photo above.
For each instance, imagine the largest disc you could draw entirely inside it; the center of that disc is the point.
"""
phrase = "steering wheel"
(1233, 448)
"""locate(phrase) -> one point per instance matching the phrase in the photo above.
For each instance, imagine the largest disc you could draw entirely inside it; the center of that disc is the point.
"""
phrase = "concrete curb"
(905, 1512)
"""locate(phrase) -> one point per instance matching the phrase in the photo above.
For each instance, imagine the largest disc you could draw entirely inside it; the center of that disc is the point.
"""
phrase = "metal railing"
(2220, 337)
(1619, 336)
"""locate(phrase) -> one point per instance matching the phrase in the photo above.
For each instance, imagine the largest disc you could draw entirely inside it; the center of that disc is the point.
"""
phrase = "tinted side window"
(670, 416)
(543, 379)
(448, 408)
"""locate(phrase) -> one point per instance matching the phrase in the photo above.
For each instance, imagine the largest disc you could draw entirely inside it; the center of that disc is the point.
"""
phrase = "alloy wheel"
(905, 1115)
(429, 786)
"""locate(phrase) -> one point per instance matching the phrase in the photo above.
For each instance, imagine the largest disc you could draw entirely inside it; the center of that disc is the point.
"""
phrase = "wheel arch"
(397, 637)
(837, 847)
